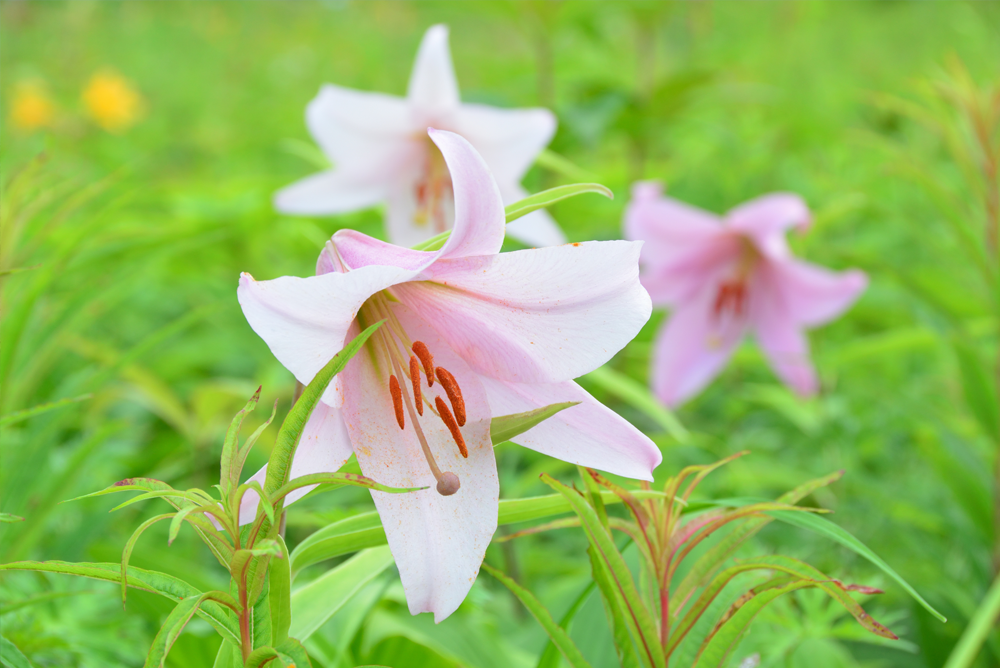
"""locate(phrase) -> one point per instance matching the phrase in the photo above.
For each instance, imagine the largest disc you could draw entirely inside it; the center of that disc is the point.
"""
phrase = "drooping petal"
(766, 218)
(508, 139)
(438, 542)
(589, 434)
(536, 316)
(781, 337)
(323, 448)
(814, 295)
(538, 228)
(693, 347)
(369, 134)
(304, 320)
(479, 212)
(332, 191)
(433, 87)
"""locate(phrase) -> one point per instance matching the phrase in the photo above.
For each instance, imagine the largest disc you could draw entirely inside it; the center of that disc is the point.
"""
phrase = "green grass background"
(141, 244)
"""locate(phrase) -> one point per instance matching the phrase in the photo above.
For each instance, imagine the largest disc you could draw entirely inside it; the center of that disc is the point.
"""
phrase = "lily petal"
(589, 434)
(438, 542)
(508, 139)
(814, 295)
(332, 191)
(369, 133)
(536, 316)
(766, 218)
(323, 448)
(783, 341)
(479, 213)
(692, 348)
(433, 87)
(304, 320)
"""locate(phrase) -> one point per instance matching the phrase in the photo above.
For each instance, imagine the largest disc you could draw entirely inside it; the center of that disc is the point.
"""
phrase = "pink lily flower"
(378, 144)
(470, 334)
(724, 277)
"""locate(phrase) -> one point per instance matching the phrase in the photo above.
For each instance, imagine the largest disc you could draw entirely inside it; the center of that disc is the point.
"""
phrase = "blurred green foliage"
(131, 242)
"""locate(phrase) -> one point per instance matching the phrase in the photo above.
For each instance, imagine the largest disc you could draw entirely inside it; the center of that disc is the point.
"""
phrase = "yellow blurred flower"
(111, 101)
(32, 107)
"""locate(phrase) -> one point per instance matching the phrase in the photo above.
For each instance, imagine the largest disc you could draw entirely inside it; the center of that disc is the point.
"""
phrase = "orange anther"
(449, 421)
(420, 350)
(415, 382)
(397, 399)
(454, 394)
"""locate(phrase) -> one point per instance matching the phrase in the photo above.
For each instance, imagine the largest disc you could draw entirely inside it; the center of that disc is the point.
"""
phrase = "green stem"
(976, 632)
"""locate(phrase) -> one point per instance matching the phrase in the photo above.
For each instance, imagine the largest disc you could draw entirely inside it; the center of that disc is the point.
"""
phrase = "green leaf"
(174, 626)
(165, 585)
(11, 656)
(280, 463)
(505, 427)
(228, 656)
(614, 608)
(230, 466)
(777, 563)
(279, 597)
(268, 547)
(639, 397)
(127, 552)
(717, 648)
(551, 196)
(541, 614)
(979, 389)
(637, 616)
(824, 527)
(7, 518)
(550, 657)
(316, 602)
(983, 623)
(294, 650)
(263, 655)
(365, 530)
(19, 416)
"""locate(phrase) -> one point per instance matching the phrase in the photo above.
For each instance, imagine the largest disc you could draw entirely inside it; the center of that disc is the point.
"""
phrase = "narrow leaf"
(556, 633)
(20, 416)
(11, 656)
(7, 518)
(163, 584)
(505, 427)
(826, 528)
(229, 478)
(127, 552)
(280, 590)
(551, 196)
(315, 603)
(337, 480)
(983, 623)
(172, 629)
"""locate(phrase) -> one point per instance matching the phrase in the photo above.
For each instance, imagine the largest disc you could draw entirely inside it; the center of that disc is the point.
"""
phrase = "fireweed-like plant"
(688, 608)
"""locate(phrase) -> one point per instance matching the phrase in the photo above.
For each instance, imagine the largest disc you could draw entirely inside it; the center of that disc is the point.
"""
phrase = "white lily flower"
(381, 153)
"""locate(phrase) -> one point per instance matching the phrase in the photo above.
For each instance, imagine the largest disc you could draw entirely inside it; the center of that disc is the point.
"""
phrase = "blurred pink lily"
(380, 151)
(724, 277)
(470, 334)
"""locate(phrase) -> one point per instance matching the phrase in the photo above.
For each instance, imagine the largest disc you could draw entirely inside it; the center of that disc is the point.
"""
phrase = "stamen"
(454, 394)
(420, 350)
(448, 484)
(397, 400)
(415, 382)
(449, 421)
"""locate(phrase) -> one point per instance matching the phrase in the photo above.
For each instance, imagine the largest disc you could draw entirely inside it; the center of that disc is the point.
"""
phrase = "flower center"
(432, 190)
(412, 362)
(731, 297)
